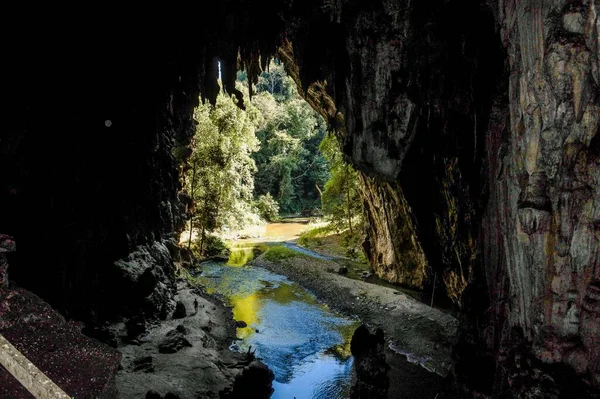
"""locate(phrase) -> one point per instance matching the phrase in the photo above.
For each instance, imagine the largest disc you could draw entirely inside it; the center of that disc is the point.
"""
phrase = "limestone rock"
(370, 366)
(173, 342)
(180, 310)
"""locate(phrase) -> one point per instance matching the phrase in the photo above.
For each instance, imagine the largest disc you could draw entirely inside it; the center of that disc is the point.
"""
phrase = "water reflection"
(304, 343)
(241, 255)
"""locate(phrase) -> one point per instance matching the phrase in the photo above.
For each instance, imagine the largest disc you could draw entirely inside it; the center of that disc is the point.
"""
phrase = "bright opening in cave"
(418, 190)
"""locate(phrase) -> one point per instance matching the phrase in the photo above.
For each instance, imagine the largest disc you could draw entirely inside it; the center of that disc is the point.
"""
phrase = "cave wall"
(473, 124)
(390, 241)
(92, 172)
(96, 124)
(482, 118)
(540, 226)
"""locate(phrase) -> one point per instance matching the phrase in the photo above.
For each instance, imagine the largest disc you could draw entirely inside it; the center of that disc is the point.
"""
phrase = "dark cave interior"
(473, 124)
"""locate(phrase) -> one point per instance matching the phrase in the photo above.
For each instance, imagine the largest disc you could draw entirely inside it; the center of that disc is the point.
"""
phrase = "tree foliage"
(290, 167)
(220, 178)
(341, 201)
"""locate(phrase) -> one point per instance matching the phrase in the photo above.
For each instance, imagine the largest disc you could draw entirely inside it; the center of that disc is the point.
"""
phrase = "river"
(305, 344)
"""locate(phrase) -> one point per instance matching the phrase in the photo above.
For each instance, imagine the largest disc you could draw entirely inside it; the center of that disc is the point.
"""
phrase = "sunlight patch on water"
(303, 342)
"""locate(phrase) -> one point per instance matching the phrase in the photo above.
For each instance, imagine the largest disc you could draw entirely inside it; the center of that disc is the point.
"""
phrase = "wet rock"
(173, 342)
(240, 324)
(180, 310)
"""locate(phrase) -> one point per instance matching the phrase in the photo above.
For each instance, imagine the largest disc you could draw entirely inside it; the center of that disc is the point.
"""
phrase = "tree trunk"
(202, 241)
(192, 189)
(348, 200)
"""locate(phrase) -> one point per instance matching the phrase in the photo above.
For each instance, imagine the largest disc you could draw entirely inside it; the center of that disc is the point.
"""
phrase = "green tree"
(290, 167)
(340, 199)
(220, 178)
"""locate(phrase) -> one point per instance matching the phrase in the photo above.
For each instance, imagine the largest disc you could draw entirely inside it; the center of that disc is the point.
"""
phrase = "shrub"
(313, 236)
(213, 246)
(267, 207)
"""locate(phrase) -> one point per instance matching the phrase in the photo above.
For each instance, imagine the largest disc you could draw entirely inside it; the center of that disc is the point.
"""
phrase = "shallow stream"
(305, 344)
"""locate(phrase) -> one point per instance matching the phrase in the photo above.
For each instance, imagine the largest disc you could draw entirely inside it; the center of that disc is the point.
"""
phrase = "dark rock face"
(144, 281)
(255, 381)
(539, 238)
(180, 311)
(474, 124)
(370, 367)
(391, 243)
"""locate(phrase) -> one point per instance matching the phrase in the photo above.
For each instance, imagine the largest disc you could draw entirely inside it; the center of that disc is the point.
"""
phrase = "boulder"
(370, 366)
(255, 381)
(152, 394)
(180, 310)
(173, 342)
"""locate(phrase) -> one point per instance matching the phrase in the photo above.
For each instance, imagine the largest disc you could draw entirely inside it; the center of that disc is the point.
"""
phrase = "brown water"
(272, 232)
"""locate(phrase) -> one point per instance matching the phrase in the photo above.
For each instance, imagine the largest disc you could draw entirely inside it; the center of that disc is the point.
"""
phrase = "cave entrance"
(259, 178)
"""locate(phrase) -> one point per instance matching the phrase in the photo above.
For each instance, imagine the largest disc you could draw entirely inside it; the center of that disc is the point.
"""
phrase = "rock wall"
(97, 128)
(483, 117)
(540, 227)
(92, 174)
(474, 123)
(391, 245)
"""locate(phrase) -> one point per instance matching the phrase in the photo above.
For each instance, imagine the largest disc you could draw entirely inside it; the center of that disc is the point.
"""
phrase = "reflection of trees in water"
(303, 342)
(246, 308)
(240, 256)
(286, 293)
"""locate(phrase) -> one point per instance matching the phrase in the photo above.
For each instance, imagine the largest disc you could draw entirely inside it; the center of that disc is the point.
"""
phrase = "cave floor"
(198, 371)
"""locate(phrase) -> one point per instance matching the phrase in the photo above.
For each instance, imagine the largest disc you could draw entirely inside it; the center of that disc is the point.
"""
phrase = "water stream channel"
(305, 344)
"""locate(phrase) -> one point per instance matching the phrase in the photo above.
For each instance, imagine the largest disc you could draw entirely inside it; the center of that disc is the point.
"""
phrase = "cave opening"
(471, 126)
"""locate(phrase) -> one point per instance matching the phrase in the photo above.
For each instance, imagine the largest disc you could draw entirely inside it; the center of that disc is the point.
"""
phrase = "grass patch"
(280, 252)
(312, 236)
(330, 241)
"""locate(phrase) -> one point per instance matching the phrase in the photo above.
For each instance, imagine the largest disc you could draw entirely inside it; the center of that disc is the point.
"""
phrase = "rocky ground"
(83, 367)
(186, 356)
(418, 333)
